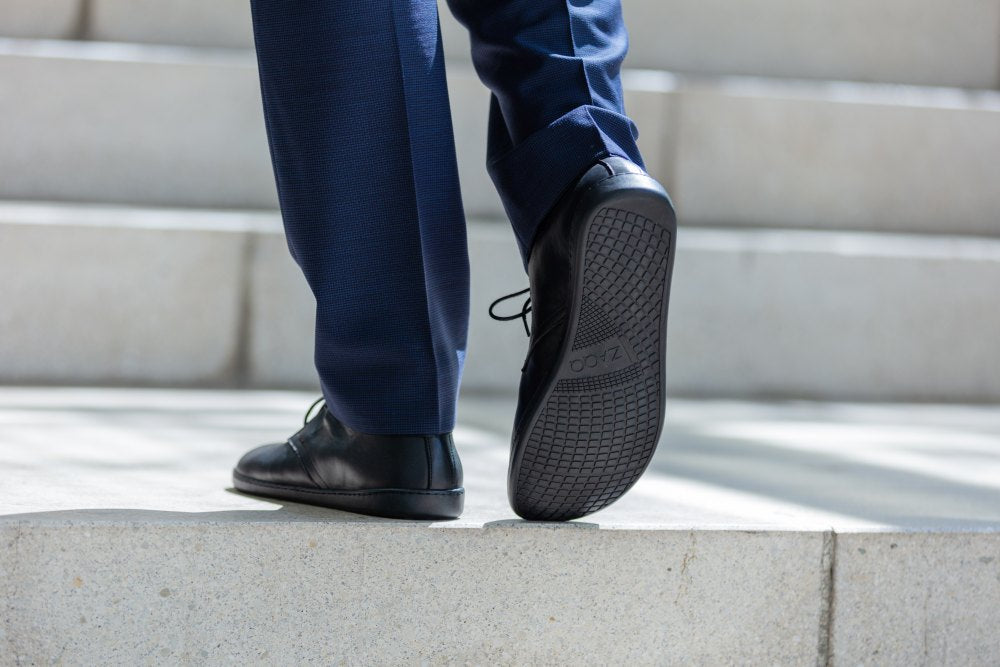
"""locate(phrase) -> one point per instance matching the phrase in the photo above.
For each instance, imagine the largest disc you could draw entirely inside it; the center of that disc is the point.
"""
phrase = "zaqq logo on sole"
(604, 357)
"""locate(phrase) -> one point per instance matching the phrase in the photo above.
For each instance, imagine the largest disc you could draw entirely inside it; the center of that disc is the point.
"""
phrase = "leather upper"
(328, 454)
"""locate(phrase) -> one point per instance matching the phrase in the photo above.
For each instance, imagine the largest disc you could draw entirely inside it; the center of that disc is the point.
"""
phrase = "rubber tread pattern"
(595, 326)
(600, 381)
(586, 449)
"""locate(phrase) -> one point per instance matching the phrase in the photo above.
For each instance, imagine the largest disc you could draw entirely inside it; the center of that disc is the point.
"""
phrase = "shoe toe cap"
(276, 463)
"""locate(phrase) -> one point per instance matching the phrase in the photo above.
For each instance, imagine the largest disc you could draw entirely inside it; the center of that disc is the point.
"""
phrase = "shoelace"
(525, 309)
(305, 420)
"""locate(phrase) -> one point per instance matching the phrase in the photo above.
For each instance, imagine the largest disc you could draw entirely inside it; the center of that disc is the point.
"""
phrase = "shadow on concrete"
(828, 482)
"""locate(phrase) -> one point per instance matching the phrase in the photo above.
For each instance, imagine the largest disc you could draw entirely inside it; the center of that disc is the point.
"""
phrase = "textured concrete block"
(570, 595)
(366, 591)
(824, 314)
(122, 543)
(916, 598)
(8, 544)
(209, 592)
(99, 122)
(838, 156)
(223, 23)
(126, 299)
(54, 19)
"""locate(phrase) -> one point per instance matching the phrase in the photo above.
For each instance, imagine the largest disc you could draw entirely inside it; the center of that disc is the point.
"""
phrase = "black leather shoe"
(590, 406)
(328, 463)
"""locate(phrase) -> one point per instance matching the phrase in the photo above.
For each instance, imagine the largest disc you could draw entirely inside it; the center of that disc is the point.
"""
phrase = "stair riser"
(787, 314)
(925, 42)
(748, 152)
(334, 592)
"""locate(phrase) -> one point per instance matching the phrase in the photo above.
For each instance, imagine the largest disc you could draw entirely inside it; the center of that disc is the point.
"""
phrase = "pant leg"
(358, 122)
(553, 69)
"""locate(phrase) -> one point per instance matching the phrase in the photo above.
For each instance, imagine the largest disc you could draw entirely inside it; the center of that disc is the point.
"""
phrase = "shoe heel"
(433, 505)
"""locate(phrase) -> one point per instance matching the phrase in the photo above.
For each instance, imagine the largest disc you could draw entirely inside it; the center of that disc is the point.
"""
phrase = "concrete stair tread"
(165, 455)
(781, 533)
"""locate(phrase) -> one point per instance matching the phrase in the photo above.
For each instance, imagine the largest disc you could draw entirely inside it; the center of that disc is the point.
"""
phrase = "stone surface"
(53, 19)
(826, 314)
(329, 591)
(106, 295)
(132, 124)
(119, 454)
(916, 598)
(754, 313)
(732, 151)
(841, 156)
(219, 23)
(124, 542)
(778, 313)
(282, 318)
(904, 41)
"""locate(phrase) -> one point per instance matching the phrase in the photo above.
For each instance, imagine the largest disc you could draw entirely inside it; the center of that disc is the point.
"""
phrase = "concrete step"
(183, 127)
(53, 19)
(761, 534)
(126, 295)
(922, 42)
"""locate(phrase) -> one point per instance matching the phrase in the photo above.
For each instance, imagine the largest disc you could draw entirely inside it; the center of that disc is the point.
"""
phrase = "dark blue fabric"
(553, 69)
(358, 123)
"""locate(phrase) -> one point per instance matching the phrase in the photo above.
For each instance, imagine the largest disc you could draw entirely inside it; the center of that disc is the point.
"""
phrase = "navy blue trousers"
(359, 128)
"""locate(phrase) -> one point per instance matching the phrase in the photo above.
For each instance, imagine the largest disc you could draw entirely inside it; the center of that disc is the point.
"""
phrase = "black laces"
(305, 420)
(525, 309)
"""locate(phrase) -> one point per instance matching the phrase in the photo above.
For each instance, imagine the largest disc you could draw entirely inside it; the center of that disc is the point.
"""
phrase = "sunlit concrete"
(767, 533)
(719, 465)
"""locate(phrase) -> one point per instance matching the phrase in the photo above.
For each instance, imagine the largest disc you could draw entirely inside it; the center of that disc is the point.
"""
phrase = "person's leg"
(357, 116)
(556, 105)
(358, 121)
(596, 234)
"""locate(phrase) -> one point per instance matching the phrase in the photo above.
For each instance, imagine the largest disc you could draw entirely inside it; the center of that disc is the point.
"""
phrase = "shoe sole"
(598, 421)
(390, 503)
